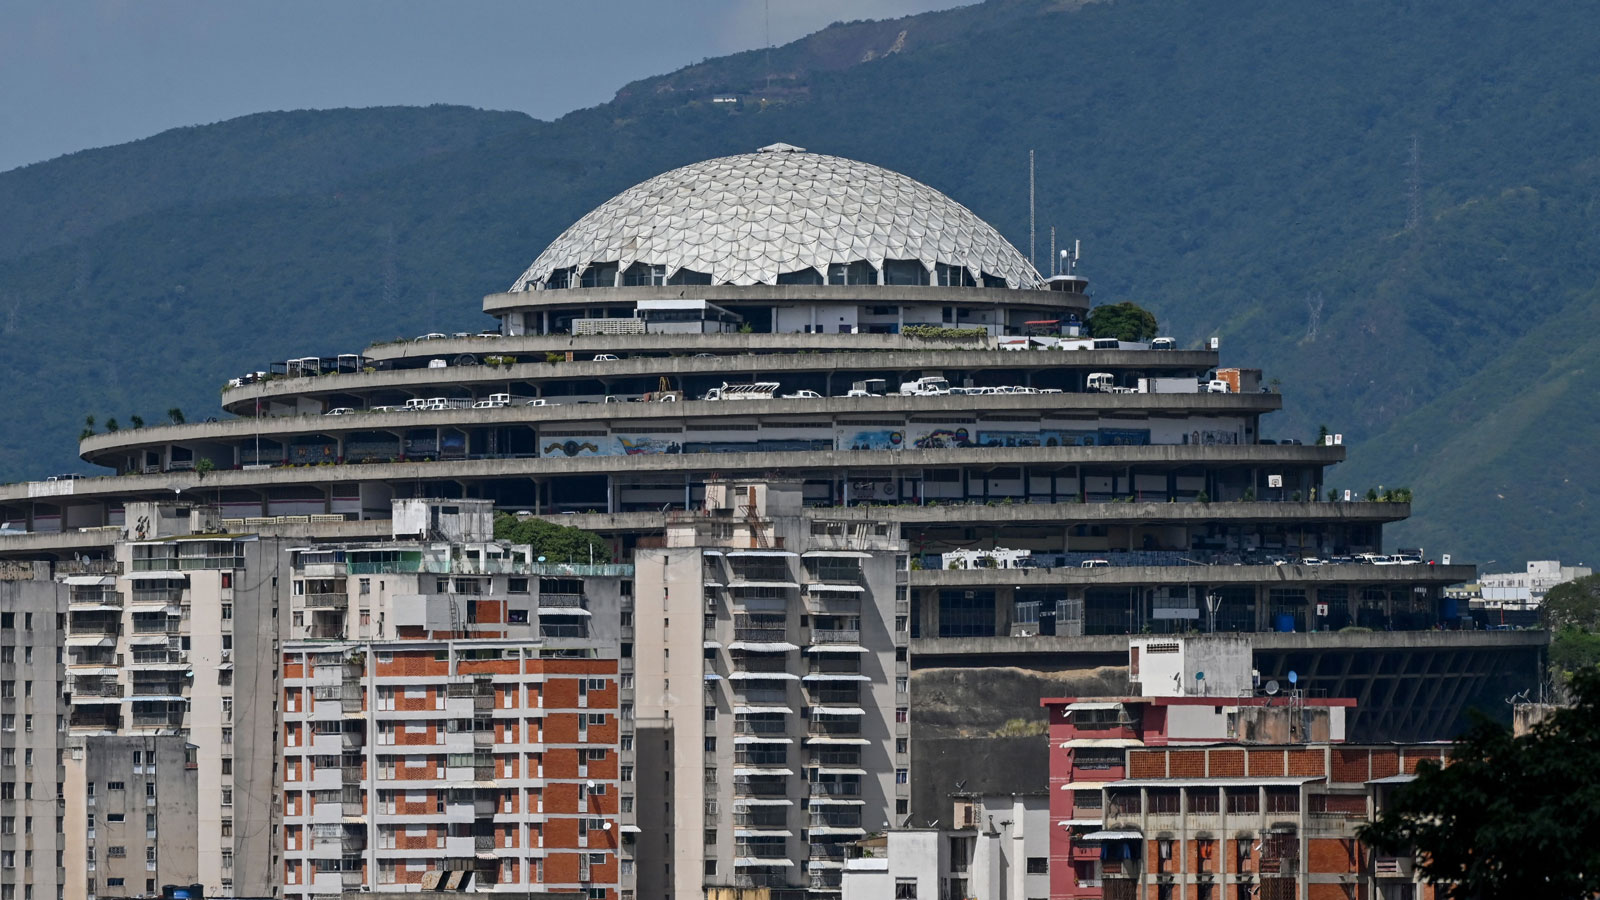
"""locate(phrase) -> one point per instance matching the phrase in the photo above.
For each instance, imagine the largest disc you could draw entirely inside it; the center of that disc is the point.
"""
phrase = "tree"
(111, 425)
(175, 416)
(1123, 321)
(136, 421)
(1575, 604)
(556, 543)
(1510, 816)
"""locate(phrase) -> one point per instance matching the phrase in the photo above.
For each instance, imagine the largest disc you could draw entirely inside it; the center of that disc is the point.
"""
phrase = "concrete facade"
(34, 858)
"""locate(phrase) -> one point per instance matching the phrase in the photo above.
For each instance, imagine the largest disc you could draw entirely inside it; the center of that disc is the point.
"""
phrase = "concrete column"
(1263, 609)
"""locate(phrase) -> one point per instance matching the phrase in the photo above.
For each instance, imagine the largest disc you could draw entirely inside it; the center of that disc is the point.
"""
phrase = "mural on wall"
(453, 445)
(1110, 437)
(571, 447)
(645, 445)
(942, 439)
(883, 439)
(1211, 437)
(312, 454)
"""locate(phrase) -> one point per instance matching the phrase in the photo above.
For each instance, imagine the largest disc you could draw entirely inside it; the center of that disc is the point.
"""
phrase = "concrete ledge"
(1107, 645)
(1217, 575)
(729, 368)
(674, 413)
(165, 484)
(724, 294)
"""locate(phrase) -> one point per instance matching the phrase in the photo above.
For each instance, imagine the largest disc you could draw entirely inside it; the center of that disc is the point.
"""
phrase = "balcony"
(826, 879)
(1393, 867)
(761, 880)
(846, 727)
(158, 720)
(835, 635)
(835, 788)
(762, 817)
(761, 696)
(848, 695)
(764, 634)
(560, 601)
(563, 631)
(157, 596)
(828, 852)
(87, 595)
(836, 817)
(761, 849)
(760, 787)
(763, 757)
(743, 725)
(338, 600)
(754, 664)
(96, 688)
(848, 757)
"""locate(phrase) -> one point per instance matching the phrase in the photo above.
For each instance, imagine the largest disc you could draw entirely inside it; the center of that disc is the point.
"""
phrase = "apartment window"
(1164, 849)
(1283, 801)
(1202, 801)
(227, 765)
(625, 773)
(627, 803)
(1038, 865)
(711, 867)
(902, 776)
(597, 718)
(227, 611)
(905, 889)
(113, 818)
(902, 714)
(1243, 801)
(1164, 801)
(227, 796)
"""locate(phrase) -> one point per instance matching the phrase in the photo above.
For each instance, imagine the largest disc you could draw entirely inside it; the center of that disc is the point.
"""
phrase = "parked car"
(339, 411)
(1094, 564)
(432, 336)
(605, 357)
(541, 402)
(803, 395)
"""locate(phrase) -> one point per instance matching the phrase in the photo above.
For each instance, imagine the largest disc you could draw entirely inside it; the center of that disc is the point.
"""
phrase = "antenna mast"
(1053, 272)
(1414, 185)
(1031, 261)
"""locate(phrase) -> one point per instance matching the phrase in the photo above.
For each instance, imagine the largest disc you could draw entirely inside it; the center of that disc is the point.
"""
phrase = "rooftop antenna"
(1053, 272)
(767, 10)
(1031, 260)
(1414, 185)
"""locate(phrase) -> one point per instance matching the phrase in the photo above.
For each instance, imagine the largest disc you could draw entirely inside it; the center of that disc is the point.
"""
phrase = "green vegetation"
(1123, 321)
(1509, 817)
(1270, 170)
(1022, 728)
(937, 333)
(1572, 611)
(556, 543)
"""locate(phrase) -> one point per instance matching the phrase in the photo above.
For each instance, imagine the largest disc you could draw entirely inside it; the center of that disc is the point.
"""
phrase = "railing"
(826, 879)
(156, 689)
(828, 851)
(157, 720)
(835, 636)
(762, 635)
(760, 879)
(835, 695)
(162, 625)
(102, 629)
(563, 631)
(758, 696)
(103, 596)
(836, 818)
(850, 757)
(760, 664)
(835, 789)
(338, 600)
(778, 757)
(483, 842)
(761, 851)
(560, 601)
(762, 726)
(826, 727)
(153, 596)
(765, 818)
(96, 689)
(746, 788)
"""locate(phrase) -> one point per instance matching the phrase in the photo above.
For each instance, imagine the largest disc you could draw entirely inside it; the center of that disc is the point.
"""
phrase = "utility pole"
(1414, 186)
(1030, 211)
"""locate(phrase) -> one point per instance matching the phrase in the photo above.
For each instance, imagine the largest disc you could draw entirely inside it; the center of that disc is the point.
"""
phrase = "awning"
(1095, 704)
(837, 740)
(90, 640)
(785, 585)
(838, 554)
(712, 676)
(1111, 836)
(86, 701)
(1084, 785)
(92, 670)
(563, 611)
(713, 584)
(761, 710)
(1394, 779)
(148, 639)
(106, 607)
(1101, 742)
(760, 770)
(825, 800)
(836, 648)
(761, 861)
(757, 801)
(172, 575)
(828, 676)
(786, 553)
(837, 711)
(630, 829)
(1077, 823)
(746, 739)
(764, 832)
(157, 698)
(823, 586)
(764, 646)
(1044, 322)
(711, 645)
(828, 770)
(91, 579)
(829, 829)
(763, 676)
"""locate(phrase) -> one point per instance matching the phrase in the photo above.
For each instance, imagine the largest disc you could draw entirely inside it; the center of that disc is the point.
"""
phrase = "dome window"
(858, 272)
(904, 271)
(953, 276)
(600, 275)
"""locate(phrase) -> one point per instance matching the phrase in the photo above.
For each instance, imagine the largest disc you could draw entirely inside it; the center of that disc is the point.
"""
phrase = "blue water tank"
(1285, 622)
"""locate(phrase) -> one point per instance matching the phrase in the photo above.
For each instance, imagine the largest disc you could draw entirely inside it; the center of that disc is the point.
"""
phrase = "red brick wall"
(1332, 856)
(1385, 763)
(1186, 763)
(1264, 763)
(1147, 764)
(1348, 766)
(1306, 762)
(1227, 764)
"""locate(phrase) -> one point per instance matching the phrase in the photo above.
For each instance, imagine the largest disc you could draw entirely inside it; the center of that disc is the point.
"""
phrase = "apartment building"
(33, 862)
(405, 761)
(997, 847)
(775, 690)
(1192, 691)
(153, 657)
(1263, 822)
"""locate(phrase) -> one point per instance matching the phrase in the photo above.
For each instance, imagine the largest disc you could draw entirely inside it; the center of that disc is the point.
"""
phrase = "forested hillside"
(1243, 169)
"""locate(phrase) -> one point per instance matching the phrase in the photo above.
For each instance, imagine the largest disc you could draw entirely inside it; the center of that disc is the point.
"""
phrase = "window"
(905, 889)
(902, 776)
(1243, 801)
(117, 785)
(1202, 801)
(1279, 801)
(1038, 865)
(1164, 801)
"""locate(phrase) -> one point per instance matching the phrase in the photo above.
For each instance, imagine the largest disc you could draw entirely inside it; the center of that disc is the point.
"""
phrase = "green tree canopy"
(1509, 817)
(1123, 321)
(1572, 611)
(556, 543)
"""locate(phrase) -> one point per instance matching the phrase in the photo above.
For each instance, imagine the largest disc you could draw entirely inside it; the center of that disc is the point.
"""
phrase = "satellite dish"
(1294, 678)
(1271, 688)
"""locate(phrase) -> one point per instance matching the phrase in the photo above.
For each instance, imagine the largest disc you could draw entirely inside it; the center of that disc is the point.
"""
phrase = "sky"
(76, 74)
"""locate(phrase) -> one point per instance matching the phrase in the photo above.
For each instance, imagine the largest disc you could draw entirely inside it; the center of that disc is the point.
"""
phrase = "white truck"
(1105, 383)
(871, 387)
(760, 390)
(1215, 386)
(1168, 386)
(926, 386)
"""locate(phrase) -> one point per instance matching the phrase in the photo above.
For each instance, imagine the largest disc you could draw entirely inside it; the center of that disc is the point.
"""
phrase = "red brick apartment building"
(402, 759)
(1211, 798)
